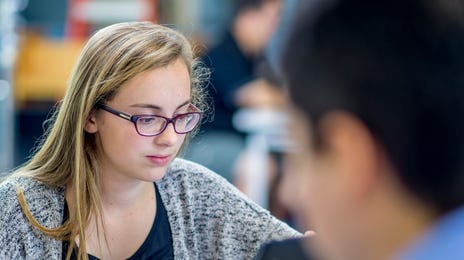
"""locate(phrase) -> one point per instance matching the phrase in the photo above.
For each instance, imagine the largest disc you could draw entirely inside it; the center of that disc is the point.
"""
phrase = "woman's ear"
(91, 125)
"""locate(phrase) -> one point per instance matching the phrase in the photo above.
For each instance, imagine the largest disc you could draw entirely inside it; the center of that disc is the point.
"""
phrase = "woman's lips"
(159, 160)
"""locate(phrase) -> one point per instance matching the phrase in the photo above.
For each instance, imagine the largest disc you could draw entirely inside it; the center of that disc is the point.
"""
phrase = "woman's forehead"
(157, 87)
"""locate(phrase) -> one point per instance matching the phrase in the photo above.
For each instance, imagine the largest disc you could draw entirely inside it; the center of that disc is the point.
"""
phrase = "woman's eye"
(147, 120)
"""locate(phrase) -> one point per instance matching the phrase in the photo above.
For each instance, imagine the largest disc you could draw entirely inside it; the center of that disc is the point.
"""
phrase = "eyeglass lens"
(151, 125)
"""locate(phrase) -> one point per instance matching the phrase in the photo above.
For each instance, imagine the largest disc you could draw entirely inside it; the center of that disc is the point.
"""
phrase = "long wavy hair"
(67, 154)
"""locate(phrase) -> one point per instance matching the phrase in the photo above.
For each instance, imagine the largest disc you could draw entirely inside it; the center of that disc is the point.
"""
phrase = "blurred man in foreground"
(378, 88)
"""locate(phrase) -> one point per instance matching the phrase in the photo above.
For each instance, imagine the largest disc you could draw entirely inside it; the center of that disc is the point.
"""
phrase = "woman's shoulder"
(40, 198)
(189, 179)
(199, 202)
(30, 186)
(196, 175)
(180, 164)
(7, 194)
(9, 186)
(16, 232)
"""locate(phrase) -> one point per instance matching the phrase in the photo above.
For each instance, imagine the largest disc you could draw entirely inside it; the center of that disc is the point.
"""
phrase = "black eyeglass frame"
(135, 118)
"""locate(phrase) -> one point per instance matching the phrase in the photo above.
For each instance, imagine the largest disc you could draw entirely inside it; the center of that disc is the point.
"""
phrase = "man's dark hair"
(399, 67)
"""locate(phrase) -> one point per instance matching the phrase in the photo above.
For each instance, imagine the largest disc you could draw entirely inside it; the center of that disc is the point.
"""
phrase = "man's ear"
(355, 152)
(91, 122)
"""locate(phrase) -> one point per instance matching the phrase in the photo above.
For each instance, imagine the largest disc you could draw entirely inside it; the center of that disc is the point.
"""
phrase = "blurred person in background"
(241, 77)
(237, 59)
(378, 170)
(105, 181)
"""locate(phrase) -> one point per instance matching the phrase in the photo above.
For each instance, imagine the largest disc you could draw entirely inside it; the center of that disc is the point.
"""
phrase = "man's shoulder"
(443, 240)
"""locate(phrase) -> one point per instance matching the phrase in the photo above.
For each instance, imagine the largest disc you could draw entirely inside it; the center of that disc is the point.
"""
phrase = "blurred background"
(244, 141)
(40, 41)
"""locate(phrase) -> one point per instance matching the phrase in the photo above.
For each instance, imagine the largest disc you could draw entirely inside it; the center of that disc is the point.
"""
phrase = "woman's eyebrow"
(184, 104)
(146, 106)
(151, 106)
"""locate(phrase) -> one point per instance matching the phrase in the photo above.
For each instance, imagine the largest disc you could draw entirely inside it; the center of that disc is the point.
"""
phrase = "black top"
(157, 245)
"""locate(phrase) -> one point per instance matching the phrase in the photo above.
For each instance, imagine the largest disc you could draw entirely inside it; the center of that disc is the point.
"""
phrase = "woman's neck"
(122, 202)
(116, 193)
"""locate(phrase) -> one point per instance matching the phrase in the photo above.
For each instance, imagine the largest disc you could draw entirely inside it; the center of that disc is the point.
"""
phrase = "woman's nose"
(168, 137)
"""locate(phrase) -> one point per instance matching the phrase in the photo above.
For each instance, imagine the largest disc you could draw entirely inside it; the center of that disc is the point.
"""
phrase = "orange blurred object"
(43, 67)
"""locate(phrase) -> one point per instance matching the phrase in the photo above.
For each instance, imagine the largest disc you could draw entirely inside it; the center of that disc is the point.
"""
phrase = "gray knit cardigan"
(209, 218)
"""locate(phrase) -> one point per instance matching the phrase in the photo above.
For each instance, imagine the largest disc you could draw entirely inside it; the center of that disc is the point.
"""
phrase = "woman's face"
(121, 151)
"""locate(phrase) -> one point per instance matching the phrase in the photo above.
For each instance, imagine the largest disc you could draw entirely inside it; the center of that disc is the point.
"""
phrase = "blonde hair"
(111, 57)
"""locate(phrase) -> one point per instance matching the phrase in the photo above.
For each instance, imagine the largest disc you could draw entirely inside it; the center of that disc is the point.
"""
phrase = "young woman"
(105, 183)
